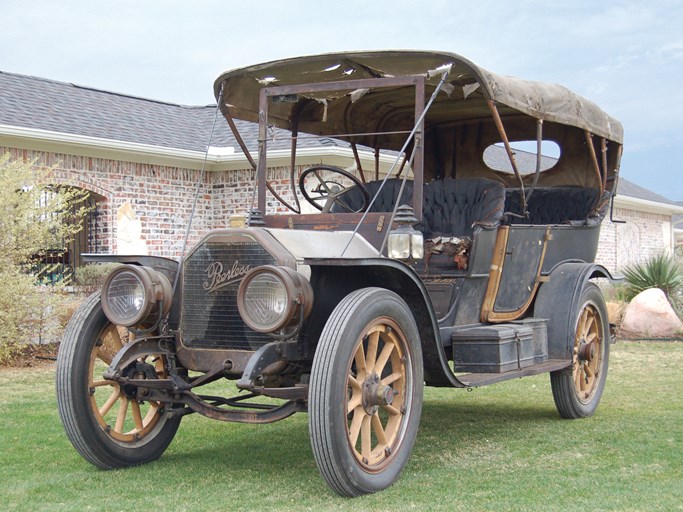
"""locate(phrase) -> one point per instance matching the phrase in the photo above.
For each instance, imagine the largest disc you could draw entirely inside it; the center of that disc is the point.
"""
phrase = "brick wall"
(642, 236)
(162, 198)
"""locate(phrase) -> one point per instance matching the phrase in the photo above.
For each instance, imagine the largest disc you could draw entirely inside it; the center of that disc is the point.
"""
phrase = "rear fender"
(557, 300)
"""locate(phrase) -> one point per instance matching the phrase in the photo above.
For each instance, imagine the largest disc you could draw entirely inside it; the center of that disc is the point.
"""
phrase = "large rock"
(650, 314)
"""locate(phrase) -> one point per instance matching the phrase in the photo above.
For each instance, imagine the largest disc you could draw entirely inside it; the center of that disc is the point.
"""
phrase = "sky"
(627, 56)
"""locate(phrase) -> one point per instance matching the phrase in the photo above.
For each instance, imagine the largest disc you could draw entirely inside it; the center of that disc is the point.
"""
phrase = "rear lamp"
(271, 298)
(131, 294)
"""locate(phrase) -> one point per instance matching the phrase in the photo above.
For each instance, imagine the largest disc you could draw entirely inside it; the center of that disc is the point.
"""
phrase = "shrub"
(35, 218)
(92, 276)
(658, 272)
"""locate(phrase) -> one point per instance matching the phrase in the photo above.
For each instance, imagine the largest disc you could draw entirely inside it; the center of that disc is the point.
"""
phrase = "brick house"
(141, 160)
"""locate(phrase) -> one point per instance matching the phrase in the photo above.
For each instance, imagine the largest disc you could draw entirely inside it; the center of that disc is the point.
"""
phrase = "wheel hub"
(587, 351)
(138, 371)
(376, 394)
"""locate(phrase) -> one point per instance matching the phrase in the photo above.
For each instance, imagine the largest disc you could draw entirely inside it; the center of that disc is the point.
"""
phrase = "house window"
(57, 264)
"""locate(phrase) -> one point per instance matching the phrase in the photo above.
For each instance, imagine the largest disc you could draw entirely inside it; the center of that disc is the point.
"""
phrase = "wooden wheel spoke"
(116, 394)
(384, 357)
(391, 410)
(361, 369)
(115, 337)
(354, 429)
(356, 401)
(585, 322)
(366, 437)
(104, 356)
(371, 354)
(390, 379)
(589, 371)
(379, 430)
(137, 415)
(582, 378)
(577, 377)
(121, 416)
(353, 382)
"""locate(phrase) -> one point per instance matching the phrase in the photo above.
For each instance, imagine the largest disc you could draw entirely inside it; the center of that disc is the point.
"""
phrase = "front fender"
(166, 266)
(333, 279)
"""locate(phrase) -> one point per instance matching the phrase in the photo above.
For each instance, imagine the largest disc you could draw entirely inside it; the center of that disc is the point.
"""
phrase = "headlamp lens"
(125, 295)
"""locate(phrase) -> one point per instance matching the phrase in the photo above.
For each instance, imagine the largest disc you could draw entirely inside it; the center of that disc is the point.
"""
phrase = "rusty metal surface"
(258, 415)
(484, 379)
(141, 384)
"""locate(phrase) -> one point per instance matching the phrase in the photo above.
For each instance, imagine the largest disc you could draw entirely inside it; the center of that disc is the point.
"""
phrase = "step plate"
(484, 379)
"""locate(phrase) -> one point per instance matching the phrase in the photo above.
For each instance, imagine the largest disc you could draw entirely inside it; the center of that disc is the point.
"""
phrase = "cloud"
(671, 51)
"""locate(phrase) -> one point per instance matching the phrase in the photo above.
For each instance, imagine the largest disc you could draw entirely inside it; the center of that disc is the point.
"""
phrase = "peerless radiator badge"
(216, 278)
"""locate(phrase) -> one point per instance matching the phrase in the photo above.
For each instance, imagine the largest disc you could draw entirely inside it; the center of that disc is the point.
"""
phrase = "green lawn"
(497, 448)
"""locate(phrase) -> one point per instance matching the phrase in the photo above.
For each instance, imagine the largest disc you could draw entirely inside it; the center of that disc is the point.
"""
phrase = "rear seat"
(554, 205)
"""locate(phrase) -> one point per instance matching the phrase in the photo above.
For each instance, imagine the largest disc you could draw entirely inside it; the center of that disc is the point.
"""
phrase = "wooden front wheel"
(365, 394)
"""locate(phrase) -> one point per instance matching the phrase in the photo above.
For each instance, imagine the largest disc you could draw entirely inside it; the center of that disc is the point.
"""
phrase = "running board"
(484, 379)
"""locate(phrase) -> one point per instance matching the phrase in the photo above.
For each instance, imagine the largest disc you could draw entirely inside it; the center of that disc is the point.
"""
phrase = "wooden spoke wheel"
(376, 387)
(587, 353)
(109, 425)
(122, 414)
(578, 392)
(365, 394)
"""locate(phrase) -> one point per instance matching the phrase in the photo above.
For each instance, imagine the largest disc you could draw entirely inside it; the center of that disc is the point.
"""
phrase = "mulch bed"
(32, 356)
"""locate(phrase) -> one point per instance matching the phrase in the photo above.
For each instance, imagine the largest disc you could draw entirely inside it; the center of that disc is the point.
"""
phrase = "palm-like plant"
(658, 272)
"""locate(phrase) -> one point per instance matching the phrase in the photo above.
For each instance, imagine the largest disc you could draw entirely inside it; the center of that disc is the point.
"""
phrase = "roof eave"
(83, 145)
(644, 205)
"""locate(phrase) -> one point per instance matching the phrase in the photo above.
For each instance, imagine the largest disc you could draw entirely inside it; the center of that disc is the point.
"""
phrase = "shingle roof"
(630, 189)
(39, 103)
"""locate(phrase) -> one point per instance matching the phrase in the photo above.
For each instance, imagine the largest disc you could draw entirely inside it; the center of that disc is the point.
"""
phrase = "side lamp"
(405, 242)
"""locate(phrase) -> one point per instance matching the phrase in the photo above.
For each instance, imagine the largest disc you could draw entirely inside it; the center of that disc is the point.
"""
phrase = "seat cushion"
(454, 207)
(552, 205)
(451, 207)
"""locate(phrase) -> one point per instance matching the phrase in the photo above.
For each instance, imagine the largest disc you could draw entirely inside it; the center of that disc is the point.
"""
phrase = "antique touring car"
(448, 267)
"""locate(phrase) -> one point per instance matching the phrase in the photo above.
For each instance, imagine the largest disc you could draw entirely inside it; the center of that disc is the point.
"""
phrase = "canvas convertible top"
(464, 97)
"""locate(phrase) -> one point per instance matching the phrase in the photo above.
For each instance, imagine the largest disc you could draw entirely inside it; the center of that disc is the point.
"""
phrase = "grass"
(497, 448)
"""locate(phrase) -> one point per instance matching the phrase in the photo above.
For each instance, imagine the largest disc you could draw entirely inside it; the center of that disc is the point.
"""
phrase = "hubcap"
(376, 394)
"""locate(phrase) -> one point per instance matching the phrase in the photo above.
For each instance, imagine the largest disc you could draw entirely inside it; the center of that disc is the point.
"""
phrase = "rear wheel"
(577, 392)
(110, 427)
(366, 392)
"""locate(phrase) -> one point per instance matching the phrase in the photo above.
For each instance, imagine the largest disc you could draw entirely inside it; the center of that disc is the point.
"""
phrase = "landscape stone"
(650, 314)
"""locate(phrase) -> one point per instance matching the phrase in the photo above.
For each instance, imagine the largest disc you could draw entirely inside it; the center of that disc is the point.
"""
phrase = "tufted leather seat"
(454, 207)
(451, 207)
(553, 205)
